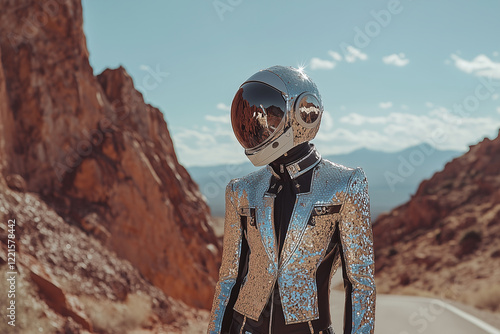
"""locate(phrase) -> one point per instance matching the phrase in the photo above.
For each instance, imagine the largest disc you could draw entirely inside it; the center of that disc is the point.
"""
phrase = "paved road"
(413, 315)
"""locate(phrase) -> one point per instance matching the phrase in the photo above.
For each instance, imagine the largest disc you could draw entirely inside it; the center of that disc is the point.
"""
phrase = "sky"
(392, 74)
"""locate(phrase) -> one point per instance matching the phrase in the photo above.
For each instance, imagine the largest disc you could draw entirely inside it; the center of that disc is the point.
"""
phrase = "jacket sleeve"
(228, 272)
(357, 256)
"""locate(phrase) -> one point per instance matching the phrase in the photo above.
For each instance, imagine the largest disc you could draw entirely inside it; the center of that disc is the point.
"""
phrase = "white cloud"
(385, 105)
(404, 107)
(495, 96)
(396, 131)
(495, 53)
(219, 119)
(327, 121)
(481, 66)
(215, 142)
(223, 106)
(352, 54)
(207, 145)
(396, 60)
(321, 64)
(335, 55)
(429, 104)
(357, 119)
(197, 136)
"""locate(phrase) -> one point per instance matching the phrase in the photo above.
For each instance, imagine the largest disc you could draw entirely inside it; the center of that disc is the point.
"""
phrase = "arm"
(228, 272)
(357, 256)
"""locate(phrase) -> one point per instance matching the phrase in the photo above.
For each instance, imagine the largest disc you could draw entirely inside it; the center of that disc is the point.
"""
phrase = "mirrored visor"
(256, 112)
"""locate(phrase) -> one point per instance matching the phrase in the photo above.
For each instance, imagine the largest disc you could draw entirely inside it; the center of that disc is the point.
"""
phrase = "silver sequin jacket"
(311, 227)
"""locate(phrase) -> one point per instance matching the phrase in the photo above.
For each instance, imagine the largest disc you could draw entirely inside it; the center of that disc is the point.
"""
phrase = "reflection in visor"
(256, 112)
(309, 109)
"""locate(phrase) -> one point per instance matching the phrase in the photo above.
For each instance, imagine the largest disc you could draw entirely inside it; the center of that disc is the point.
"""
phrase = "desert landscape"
(112, 235)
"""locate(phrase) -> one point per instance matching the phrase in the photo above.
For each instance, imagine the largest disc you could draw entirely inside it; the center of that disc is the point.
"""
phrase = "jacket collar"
(299, 166)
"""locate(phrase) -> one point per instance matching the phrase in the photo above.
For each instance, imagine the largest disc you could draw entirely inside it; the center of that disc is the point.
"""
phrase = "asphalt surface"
(412, 315)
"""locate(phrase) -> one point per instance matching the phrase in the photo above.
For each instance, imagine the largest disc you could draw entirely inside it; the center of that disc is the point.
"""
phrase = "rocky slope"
(99, 163)
(68, 282)
(444, 241)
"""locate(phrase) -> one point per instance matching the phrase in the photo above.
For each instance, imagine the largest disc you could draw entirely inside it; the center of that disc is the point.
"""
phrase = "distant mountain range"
(392, 176)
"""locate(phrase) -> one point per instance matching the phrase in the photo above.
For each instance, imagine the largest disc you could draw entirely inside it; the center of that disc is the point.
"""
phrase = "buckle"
(322, 209)
(248, 212)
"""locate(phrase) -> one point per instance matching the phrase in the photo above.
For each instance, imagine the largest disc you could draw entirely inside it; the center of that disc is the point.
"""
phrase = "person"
(290, 225)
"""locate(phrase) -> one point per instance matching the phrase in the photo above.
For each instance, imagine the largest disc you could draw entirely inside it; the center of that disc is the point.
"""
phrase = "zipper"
(271, 314)
(311, 327)
(270, 294)
(243, 325)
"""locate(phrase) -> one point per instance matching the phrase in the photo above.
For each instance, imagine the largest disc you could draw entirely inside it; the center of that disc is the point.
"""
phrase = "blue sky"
(392, 74)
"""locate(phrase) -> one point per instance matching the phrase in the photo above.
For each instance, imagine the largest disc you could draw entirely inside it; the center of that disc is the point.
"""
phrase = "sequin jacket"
(337, 194)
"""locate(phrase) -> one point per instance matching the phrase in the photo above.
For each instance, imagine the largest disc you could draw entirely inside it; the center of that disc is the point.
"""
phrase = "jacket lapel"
(298, 222)
(265, 225)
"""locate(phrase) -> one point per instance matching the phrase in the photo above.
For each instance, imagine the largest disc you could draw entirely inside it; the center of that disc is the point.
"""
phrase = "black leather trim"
(242, 273)
(248, 212)
(320, 210)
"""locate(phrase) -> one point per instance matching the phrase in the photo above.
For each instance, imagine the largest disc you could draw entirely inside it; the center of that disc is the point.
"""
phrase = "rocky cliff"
(66, 281)
(444, 241)
(97, 161)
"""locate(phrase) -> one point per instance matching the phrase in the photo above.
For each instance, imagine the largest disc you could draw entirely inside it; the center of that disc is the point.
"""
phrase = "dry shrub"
(469, 242)
(488, 297)
(115, 317)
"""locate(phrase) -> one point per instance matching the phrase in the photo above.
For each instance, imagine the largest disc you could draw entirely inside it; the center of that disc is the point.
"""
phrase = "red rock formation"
(69, 282)
(444, 240)
(96, 153)
(6, 123)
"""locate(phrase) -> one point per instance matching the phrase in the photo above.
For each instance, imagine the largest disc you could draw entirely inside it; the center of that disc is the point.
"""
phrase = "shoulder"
(344, 171)
(349, 176)
(335, 166)
(249, 179)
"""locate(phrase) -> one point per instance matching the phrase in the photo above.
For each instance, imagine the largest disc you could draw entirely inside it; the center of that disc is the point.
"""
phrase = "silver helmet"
(275, 110)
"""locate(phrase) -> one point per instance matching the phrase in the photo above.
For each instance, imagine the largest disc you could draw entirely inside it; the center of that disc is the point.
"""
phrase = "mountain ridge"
(376, 164)
(444, 240)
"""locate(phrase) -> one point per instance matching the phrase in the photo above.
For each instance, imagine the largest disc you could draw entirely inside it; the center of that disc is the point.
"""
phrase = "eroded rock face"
(444, 240)
(67, 281)
(6, 124)
(96, 153)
